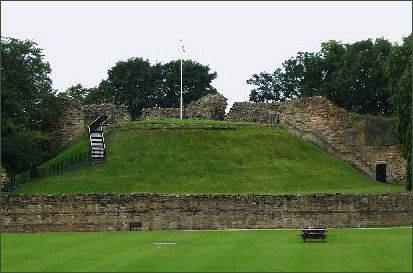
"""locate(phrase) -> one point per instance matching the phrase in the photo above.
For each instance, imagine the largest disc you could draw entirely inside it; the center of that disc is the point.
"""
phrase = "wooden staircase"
(97, 140)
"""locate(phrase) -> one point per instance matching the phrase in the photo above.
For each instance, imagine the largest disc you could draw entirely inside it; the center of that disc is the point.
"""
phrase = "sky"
(82, 40)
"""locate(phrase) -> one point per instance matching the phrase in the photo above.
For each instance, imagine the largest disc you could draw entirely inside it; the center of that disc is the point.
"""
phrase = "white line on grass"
(263, 229)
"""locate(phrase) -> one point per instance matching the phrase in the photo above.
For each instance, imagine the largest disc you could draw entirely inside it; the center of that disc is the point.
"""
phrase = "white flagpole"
(181, 101)
(181, 88)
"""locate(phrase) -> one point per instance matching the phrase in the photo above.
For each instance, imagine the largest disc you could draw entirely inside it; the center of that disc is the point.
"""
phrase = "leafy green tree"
(97, 94)
(27, 105)
(137, 84)
(130, 83)
(197, 80)
(303, 75)
(351, 75)
(360, 83)
(399, 69)
(77, 92)
(269, 87)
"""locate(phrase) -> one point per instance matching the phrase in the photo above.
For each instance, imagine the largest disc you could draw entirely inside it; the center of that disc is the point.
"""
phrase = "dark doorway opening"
(381, 173)
(135, 226)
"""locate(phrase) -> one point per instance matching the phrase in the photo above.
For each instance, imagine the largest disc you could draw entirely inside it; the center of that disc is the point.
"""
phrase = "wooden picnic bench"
(314, 233)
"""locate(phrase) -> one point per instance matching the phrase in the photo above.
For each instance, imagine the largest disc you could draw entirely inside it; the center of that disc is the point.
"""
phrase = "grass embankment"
(234, 158)
(353, 250)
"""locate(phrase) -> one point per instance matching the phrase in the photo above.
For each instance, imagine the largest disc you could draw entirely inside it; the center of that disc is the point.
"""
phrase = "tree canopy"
(27, 101)
(399, 70)
(351, 75)
(137, 84)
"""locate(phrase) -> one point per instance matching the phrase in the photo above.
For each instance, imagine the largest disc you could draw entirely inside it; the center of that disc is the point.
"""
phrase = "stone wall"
(253, 112)
(360, 140)
(73, 118)
(211, 106)
(99, 212)
(93, 111)
(3, 177)
(69, 124)
(160, 113)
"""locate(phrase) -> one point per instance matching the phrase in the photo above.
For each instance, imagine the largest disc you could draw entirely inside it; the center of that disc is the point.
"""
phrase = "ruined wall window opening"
(135, 226)
(381, 172)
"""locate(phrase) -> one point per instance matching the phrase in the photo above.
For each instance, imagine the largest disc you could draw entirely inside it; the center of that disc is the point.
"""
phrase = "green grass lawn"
(265, 250)
(253, 158)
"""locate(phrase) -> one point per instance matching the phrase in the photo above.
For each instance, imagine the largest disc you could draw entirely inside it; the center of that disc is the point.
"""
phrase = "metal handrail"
(100, 121)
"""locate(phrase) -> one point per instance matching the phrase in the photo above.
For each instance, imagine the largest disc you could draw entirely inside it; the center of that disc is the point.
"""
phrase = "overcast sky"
(82, 40)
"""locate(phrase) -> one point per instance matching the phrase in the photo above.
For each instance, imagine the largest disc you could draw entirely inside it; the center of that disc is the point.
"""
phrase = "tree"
(399, 69)
(98, 94)
(269, 87)
(197, 80)
(27, 105)
(87, 95)
(137, 84)
(359, 83)
(303, 75)
(350, 75)
(130, 83)
(77, 92)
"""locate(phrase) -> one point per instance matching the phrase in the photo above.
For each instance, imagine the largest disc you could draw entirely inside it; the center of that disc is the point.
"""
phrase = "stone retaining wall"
(93, 111)
(253, 112)
(100, 212)
(211, 106)
(161, 113)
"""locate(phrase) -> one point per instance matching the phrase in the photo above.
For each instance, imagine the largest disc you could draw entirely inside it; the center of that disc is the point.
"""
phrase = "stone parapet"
(160, 113)
(104, 212)
(211, 106)
(93, 111)
(253, 112)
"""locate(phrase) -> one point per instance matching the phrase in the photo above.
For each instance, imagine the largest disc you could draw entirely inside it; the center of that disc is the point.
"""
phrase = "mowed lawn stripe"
(266, 250)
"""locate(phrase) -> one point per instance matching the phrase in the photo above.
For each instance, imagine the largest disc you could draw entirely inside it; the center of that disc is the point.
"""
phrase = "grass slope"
(251, 159)
(379, 250)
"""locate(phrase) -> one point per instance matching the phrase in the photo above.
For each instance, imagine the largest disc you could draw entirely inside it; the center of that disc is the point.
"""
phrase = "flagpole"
(181, 87)
(181, 102)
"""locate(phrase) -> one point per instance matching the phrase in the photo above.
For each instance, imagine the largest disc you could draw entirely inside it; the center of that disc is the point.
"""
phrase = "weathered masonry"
(211, 106)
(101, 212)
(74, 118)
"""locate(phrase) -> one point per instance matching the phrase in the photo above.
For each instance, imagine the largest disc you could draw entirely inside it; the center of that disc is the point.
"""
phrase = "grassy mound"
(197, 156)
(345, 250)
